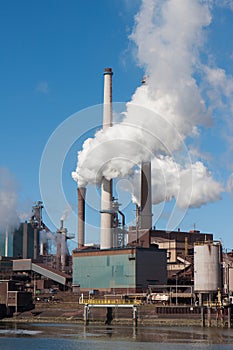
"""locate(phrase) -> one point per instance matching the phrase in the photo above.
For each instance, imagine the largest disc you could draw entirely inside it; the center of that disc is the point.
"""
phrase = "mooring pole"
(209, 316)
(202, 316)
(229, 316)
(86, 314)
(135, 316)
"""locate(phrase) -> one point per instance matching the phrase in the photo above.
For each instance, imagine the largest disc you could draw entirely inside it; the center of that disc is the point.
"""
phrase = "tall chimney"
(7, 242)
(63, 248)
(106, 239)
(81, 216)
(58, 253)
(25, 240)
(61, 255)
(146, 202)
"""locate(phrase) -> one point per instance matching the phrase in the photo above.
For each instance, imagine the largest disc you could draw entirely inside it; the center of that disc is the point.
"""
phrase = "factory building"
(119, 270)
(6, 265)
(183, 240)
(179, 245)
(228, 273)
(26, 256)
(13, 299)
(22, 242)
(26, 242)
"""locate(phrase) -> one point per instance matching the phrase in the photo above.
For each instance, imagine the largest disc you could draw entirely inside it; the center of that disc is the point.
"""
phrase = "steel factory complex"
(141, 262)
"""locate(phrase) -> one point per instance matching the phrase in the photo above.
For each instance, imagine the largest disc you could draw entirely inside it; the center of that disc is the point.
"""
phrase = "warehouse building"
(119, 270)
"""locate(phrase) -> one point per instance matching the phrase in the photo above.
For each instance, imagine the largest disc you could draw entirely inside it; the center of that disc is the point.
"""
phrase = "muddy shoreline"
(73, 313)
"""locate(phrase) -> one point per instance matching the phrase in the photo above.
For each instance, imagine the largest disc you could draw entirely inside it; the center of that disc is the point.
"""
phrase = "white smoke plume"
(8, 200)
(66, 212)
(169, 35)
(191, 185)
(229, 186)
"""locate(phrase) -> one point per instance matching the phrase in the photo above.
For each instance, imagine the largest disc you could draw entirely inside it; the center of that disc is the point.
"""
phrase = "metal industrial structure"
(207, 269)
(29, 259)
(228, 273)
(24, 242)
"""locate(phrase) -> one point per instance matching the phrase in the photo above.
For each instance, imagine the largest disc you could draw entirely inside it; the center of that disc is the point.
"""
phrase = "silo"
(230, 276)
(207, 267)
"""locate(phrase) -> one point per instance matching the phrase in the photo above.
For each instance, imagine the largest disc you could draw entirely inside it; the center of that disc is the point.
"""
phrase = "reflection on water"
(95, 337)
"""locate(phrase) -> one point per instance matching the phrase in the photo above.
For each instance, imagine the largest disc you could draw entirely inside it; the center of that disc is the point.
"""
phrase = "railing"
(109, 301)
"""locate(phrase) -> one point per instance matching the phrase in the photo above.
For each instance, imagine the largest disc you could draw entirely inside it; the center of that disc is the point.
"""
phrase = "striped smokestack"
(106, 239)
(81, 216)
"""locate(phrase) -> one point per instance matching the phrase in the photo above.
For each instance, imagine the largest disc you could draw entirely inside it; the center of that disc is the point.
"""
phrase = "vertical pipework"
(63, 249)
(61, 224)
(36, 244)
(25, 240)
(146, 202)
(7, 242)
(106, 240)
(81, 216)
(58, 254)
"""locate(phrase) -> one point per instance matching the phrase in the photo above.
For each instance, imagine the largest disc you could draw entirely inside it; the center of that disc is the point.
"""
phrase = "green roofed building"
(119, 270)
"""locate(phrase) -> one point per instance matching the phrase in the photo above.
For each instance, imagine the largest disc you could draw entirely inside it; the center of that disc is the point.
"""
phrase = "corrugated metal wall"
(134, 269)
(104, 272)
(151, 267)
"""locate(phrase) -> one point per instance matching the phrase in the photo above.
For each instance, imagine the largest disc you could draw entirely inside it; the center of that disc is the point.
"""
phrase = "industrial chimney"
(7, 242)
(106, 240)
(146, 202)
(81, 216)
(63, 247)
(61, 256)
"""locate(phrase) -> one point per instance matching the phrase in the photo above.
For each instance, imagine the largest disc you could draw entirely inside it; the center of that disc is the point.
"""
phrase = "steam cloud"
(164, 112)
(66, 212)
(229, 186)
(192, 185)
(8, 198)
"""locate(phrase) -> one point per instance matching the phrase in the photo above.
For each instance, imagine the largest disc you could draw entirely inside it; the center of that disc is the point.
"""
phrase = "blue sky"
(52, 57)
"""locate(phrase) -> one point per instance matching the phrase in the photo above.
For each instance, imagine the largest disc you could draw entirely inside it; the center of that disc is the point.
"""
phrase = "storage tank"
(230, 276)
(207, 267)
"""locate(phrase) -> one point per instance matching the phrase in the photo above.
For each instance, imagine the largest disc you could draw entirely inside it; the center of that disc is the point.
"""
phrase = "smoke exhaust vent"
(106, 239)
(146, 202)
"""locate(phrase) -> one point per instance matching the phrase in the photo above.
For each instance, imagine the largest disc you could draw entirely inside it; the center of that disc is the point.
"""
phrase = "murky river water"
(97, 337)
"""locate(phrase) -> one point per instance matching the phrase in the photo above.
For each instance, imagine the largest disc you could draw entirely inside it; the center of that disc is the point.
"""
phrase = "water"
(98, 337)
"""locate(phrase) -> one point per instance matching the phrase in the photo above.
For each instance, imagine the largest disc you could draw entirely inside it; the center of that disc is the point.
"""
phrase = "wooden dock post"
(202, 316)
(109, 316)
(86, 314)
(135, 316)
(209, 316)
(229, 316)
